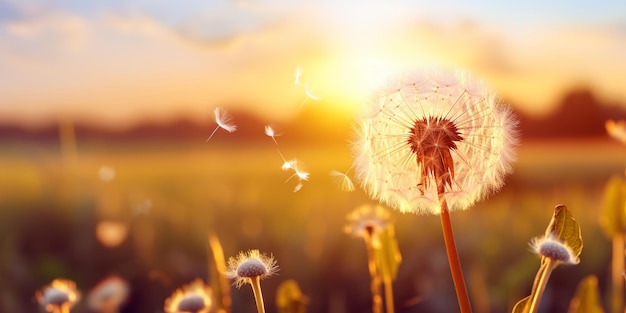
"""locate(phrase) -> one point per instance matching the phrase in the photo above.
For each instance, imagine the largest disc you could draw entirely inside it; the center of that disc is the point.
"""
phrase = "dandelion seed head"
(367, 221)
(193, 297)
(552, 248)
(109, 294)
(250, 264)
(60, 292)
(429, 127)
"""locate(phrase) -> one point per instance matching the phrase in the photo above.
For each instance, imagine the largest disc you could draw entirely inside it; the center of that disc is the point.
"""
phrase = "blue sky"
(126, 60)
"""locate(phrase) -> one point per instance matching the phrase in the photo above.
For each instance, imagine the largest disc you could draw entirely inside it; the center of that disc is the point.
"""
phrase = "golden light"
(111, 233)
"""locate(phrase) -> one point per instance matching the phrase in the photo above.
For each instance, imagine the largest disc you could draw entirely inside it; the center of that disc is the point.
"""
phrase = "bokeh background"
(105, 108)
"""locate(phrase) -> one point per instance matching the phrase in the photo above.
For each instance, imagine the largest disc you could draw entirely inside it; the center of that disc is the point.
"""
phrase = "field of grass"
(172, 197)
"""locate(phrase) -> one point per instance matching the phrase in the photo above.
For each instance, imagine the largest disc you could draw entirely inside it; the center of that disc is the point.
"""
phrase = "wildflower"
(367, 221)
(109, 294)
(248, 265)
(343, 180)
(434, 136)
(59, 296)
(552, 248)
(224, 121)
(194, 297)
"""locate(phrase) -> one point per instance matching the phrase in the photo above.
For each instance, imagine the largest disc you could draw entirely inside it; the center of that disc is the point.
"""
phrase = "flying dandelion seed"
(224, 121)
(437, 134)
(288, 164)
(616, 129)
(297, 76)
(342, 180)
(309, 94)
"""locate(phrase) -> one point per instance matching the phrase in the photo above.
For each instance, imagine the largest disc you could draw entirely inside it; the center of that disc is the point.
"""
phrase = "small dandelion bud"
(551, 248)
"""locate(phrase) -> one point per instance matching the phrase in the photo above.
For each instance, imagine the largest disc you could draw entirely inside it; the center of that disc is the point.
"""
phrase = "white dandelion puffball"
(434, 136)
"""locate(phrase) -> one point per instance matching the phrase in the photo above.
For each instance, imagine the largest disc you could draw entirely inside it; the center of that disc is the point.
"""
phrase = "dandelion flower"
(249, 268)
(434, 134)
(109, 294)
(193, 298)
(58, 297)
(224, 121)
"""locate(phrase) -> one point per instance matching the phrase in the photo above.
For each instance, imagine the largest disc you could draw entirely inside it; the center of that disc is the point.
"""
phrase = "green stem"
(540, 286)
(377, 300)
(255, 282)
(453, 256)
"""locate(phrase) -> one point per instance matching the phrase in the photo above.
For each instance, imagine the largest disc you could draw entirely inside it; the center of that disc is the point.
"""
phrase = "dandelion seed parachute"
(398, 147)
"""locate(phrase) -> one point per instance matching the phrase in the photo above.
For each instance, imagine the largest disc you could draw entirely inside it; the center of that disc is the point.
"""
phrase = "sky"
(120, 62)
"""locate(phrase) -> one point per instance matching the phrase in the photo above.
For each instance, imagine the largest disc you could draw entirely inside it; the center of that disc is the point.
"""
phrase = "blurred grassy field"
(172, 197)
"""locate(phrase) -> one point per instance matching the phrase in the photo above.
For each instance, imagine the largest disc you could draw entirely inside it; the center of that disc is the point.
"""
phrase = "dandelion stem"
(255, 282)
(539, 287)
(377, 300)
(388, 295)
(617, 297)
(453, 256)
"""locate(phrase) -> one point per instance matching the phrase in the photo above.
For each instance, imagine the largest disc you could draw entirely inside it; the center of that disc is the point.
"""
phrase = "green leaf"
(388, 255)
(613, 218)
(587, 298)
(564, 226)
(522, 306)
